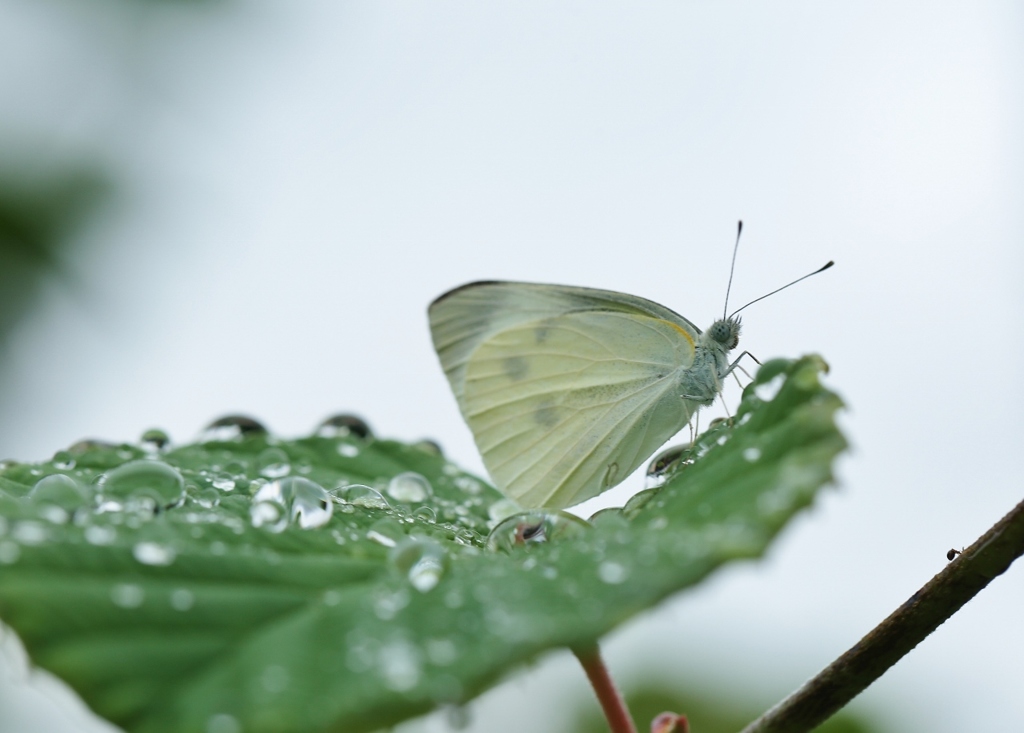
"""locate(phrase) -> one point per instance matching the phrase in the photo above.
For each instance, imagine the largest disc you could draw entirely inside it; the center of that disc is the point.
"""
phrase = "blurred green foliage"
(40, 217)
(706, 714)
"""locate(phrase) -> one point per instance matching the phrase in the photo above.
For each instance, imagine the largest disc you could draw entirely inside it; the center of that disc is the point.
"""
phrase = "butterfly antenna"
(732, 267)
(820, 269)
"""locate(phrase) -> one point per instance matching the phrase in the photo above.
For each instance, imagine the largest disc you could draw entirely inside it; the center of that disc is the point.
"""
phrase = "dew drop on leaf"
(231, 428)
(145, 479)
(60, 490)
(409, 487)
(420, 560)
(341, 426)
(154, 553)
(361, 495)
(526, 529)
(273, 463)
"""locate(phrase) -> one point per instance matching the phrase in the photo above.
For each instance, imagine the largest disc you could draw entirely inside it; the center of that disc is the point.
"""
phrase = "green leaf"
(163, 605)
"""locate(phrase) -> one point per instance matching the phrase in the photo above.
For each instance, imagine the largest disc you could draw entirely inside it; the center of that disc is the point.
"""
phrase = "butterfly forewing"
(464, 318)
(565, 406)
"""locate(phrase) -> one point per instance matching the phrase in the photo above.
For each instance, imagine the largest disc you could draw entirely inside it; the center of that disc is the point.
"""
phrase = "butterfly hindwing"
(564, 406)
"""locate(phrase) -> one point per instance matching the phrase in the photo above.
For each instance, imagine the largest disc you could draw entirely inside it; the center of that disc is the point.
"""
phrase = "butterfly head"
(725, 332)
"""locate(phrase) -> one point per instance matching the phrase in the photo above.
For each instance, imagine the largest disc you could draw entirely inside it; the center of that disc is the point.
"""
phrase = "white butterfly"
(567, 390)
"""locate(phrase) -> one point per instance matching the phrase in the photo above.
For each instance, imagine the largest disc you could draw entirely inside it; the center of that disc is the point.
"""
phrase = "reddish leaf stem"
(615, 710)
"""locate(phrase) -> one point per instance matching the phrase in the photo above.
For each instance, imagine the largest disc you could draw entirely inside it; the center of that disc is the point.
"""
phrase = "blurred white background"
(296, 182)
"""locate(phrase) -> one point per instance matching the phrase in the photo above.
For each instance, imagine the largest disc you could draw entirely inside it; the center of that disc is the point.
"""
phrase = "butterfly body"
(567, 390)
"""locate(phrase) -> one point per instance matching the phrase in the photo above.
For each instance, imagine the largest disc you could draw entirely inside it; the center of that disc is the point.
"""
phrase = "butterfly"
(568, 389)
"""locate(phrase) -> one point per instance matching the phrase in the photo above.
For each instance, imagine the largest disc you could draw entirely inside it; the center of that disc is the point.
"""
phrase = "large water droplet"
(501, 510)
(60, 490)
(521, 531)
(270, 515)
(273, 463)
(231, 428)
(340, 426)
(306, 502)
(360, 495)
(422, 561)
(666, 463)
(638, 500)
(409, 488)
(751, 454)
(154, 553)
(145, 479)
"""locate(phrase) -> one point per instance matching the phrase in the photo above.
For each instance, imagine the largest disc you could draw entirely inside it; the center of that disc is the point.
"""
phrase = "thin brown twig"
(904, 629)
(615, 710)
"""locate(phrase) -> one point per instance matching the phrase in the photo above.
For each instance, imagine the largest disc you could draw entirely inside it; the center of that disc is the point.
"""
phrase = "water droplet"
(231, 428)
(155, 440)
(766, 392)
(145, 479)
(30, 533)
(751, 454)
(127, 595)
(637, 501)
(360, 495)
(207, 498)
(399, 665)
(409, 488)
(273, 463)
(611, 474)
(153, 553)
(223, 483)
(340, 426)
(54, 514)
(306, 503)
(535, 527)
(332, 597)
(422, 561)
(501, 510)
(386, 532)
(182, 599)
(88, 445)
(270, 515)
(63, 460)
(609, 517)
(275, 678)
(223, 723)
(666, 463)
(431, 447)
(100, 534)
(9, 552)
(612, 573)
(348, 450)
(467, 484)
(60, 490)
(425, 514)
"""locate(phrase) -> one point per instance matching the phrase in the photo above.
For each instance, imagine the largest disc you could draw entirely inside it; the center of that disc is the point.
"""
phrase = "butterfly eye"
(726, 332)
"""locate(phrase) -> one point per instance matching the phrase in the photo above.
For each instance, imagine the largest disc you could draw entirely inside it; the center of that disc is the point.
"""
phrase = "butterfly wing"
(463, 318)
(566, 390)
